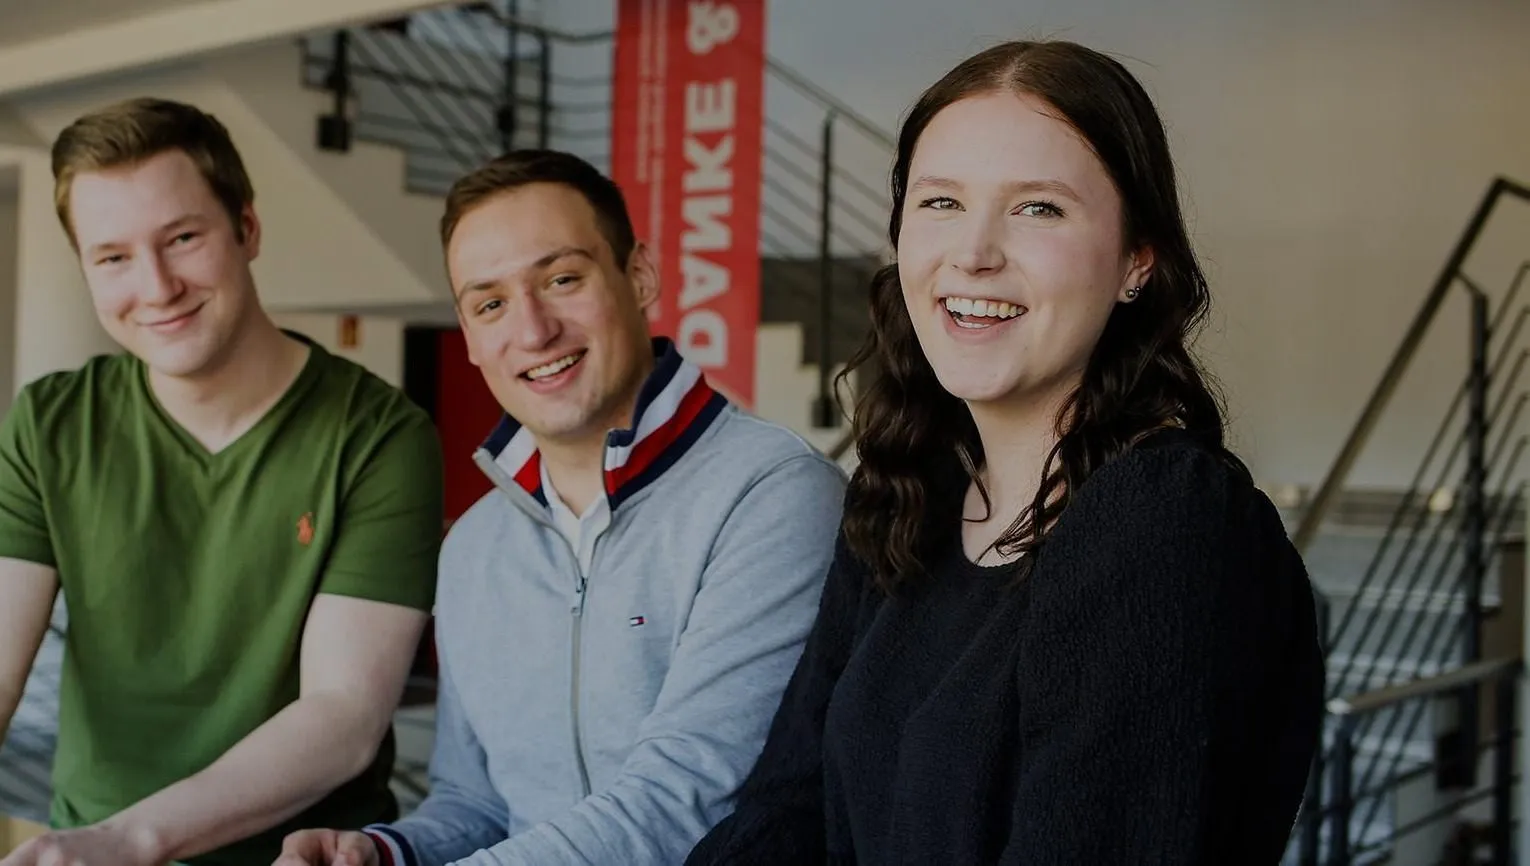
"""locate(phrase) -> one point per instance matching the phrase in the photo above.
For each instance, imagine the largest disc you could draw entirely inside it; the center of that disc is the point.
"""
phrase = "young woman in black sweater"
(1063, 626)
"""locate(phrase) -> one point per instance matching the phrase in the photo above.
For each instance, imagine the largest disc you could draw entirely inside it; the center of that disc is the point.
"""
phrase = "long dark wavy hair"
(914, 438)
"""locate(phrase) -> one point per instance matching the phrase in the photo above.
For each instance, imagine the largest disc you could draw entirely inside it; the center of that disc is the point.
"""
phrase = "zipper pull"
(578, 607)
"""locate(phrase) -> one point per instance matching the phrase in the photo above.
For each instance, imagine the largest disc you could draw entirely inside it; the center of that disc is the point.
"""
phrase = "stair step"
(1402, 600)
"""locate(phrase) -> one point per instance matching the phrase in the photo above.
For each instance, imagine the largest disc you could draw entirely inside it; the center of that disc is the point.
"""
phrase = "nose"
(160, 287)
(977, 248)
(532, 324)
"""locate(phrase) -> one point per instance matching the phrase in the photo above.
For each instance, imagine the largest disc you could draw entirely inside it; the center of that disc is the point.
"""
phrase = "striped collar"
(675, 406)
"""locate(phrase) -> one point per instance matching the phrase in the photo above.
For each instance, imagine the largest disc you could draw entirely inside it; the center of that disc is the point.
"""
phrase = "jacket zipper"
(578, 612)
(517, 494)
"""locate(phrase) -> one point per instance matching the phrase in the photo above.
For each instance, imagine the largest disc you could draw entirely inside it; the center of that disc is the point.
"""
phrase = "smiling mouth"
(174, 319)
(979, 313)
(553, 368)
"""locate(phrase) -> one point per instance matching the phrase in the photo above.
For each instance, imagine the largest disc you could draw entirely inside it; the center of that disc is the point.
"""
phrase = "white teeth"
(553, 368)
(983, 308)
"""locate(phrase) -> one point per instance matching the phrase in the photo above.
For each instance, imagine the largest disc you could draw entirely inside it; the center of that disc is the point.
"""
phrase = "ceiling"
(24, 20)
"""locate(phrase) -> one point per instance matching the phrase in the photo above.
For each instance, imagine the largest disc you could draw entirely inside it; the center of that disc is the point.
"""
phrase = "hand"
(324, 848)
(96, 845)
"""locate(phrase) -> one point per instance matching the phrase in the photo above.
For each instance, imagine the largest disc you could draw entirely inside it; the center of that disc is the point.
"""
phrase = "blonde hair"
(132, 131)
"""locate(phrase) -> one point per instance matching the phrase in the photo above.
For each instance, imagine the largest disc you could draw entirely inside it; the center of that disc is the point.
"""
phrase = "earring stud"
(1131, 294)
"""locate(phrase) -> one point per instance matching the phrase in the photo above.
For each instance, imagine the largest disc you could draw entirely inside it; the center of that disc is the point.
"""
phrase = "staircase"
(1421, 589)
(450, 88)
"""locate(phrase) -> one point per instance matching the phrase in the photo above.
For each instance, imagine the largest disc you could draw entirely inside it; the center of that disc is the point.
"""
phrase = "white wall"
(55, 326)
(14, 132)
(379, 346)
(1329, 155)
(10, 192)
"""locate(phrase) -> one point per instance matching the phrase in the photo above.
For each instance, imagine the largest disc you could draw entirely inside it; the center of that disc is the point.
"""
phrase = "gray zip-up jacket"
(608, 718)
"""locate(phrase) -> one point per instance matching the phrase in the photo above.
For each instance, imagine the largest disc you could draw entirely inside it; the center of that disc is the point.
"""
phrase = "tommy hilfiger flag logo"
(635, 621)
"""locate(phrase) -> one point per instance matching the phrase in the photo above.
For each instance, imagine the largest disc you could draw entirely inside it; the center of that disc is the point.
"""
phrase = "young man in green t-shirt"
(244, 526)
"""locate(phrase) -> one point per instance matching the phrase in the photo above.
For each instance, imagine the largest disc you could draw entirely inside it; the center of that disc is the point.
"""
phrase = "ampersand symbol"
(709, 25)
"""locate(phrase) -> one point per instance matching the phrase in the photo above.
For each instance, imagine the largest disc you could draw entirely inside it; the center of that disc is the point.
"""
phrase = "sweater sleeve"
(462, 812)
(779, 814)
(1144, 666)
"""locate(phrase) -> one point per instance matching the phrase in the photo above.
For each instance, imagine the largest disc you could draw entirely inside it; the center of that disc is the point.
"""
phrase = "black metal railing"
(454, 86)
(1422, 600)
(1452, 771)
(26, 754)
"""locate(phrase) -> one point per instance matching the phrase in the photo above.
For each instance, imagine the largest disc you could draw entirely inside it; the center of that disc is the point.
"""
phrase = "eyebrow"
(97, 249)
(930, 181)
(541, 263)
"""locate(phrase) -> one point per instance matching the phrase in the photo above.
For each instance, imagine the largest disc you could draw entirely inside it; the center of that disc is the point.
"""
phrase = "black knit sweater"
(1150, 693)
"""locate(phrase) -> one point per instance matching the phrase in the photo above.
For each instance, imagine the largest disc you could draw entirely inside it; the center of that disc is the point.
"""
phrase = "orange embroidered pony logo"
(305, 529)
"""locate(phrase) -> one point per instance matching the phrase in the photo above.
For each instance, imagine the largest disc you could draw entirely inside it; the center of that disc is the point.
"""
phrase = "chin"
(549, 417)
(183, 360)
(971, 380)
(560, 428)
(978, 392)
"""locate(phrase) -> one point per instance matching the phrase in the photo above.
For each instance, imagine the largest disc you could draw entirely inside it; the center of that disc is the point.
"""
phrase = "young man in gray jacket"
(617, 620)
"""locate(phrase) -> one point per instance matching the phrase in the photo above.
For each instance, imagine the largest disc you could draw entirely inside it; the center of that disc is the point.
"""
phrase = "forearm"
(27, 593)
(10, 699)
(281, 768)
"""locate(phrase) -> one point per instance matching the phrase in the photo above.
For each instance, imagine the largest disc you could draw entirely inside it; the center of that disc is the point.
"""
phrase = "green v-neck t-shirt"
(188, 574)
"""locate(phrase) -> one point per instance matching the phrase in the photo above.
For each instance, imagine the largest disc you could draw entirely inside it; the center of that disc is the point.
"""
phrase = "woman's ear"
(1138, 272)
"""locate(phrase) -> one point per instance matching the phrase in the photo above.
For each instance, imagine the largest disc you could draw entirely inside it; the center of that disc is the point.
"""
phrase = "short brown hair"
(520, 168)
(130, 132)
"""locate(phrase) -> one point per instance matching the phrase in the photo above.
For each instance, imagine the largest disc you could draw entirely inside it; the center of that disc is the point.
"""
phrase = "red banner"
(685, 147)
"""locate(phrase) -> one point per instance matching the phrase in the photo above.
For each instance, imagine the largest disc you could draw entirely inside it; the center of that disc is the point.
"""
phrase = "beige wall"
(380, 347)
(9, 268)
(55, 327)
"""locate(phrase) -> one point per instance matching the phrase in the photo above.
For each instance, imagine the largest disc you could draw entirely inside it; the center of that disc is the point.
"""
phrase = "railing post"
(505, 118)
(1474, 531)
(544, 91)
(1503, 768)
(334, 132)
(1339, 795)
(824, 414)
(1475, 516)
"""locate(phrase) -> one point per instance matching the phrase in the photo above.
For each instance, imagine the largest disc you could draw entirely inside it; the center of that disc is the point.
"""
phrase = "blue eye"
(941, 202)
(1040, 209)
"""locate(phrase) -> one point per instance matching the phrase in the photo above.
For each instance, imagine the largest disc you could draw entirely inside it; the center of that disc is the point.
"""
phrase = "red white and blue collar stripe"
(675, 406)
(392, 848)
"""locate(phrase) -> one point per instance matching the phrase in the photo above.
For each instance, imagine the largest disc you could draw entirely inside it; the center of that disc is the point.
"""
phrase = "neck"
(576, 470)
(576, 466)
(1017, 436)
(220, 404)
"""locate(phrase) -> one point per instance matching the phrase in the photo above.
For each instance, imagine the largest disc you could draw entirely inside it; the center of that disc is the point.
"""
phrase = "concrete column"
(55, 326)
(10, 229)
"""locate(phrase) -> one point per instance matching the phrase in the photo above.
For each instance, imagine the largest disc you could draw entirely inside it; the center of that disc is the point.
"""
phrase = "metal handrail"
(1415, 486)
(1355, 442)
(1463, 684)
(791, 76)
